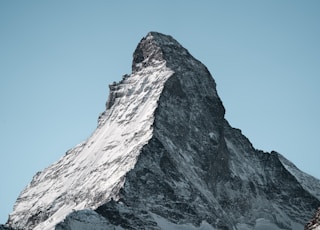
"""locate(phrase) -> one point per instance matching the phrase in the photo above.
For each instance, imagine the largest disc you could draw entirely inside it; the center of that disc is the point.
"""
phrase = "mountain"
(164, 157)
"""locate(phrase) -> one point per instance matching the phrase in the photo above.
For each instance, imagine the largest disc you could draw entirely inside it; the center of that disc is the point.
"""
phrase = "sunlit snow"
(92, 173)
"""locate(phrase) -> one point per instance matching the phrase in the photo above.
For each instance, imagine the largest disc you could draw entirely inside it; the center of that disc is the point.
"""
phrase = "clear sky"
(58, 57)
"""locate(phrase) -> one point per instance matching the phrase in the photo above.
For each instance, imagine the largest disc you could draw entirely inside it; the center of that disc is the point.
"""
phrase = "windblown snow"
(91, 173)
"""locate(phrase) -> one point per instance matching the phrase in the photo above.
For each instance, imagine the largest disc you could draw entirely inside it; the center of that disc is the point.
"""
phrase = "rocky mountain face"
(2, 227)
(164, 157)
(314, 224)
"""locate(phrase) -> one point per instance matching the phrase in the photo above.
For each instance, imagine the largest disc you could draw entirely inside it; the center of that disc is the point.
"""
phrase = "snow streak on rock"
(314, 224)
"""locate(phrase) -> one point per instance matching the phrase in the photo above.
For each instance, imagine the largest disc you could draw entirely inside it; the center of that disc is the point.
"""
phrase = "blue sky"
(58, 57)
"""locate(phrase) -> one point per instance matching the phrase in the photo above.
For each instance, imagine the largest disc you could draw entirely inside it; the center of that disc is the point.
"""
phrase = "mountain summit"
(164, 157)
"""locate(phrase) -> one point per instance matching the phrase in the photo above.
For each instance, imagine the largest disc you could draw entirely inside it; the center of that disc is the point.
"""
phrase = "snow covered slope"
(164, 157)
(93, 172)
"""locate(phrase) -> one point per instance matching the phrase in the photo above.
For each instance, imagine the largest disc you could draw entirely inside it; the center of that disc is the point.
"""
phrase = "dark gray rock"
(196, 167)
(3, 227)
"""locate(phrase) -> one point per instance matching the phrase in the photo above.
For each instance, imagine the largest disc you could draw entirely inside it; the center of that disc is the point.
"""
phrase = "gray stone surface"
(314, 223)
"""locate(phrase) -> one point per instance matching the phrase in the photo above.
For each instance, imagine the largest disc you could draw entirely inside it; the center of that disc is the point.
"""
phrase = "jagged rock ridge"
(314, 224)
(164, 157)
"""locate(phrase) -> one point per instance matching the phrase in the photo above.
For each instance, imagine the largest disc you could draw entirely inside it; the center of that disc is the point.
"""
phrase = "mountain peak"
(156, 48)
(164, 157)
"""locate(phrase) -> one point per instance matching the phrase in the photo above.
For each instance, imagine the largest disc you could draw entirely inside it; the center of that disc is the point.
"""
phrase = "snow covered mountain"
(164, 157)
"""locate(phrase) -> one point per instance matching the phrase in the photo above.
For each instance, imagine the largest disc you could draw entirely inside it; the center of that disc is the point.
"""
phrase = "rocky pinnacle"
(164, 157)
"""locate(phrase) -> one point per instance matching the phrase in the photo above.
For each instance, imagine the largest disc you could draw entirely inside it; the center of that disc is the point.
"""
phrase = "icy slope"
(93, 172)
